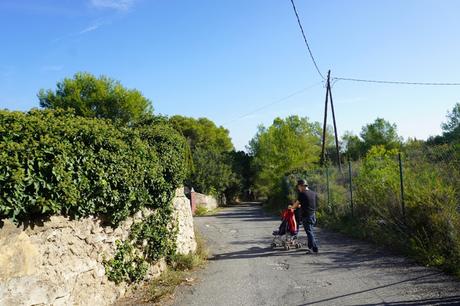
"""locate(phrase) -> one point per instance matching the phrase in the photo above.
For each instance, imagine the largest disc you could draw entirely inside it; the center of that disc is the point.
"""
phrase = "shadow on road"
(452, 300)
(346, 269)
(250, 212)
(257, 252)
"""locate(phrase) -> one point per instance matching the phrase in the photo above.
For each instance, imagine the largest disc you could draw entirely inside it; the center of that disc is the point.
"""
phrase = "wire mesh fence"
(407, 199)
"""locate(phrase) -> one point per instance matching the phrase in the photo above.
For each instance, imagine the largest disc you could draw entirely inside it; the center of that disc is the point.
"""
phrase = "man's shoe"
(315, 250)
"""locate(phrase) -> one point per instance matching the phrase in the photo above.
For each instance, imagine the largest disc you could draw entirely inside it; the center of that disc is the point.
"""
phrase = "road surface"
(244, 270)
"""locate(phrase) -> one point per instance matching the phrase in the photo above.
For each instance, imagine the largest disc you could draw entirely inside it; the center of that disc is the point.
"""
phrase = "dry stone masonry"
(186, 238)
(60, 262)
(206, 201)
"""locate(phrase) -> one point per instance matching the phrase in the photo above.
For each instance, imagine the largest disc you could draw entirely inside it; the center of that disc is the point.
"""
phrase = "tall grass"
(429, 231)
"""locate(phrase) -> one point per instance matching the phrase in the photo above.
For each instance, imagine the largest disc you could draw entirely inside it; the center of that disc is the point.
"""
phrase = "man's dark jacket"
(308, 201)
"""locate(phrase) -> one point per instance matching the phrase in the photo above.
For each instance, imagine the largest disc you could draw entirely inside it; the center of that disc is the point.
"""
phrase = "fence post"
(351, 187)
(327, 186)
(401, 178)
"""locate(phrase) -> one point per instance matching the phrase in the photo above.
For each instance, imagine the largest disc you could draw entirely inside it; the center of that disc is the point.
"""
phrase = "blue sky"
(224, 59)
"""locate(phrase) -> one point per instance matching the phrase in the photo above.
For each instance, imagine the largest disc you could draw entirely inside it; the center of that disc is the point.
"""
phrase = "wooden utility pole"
(323, 152)
(329, 97)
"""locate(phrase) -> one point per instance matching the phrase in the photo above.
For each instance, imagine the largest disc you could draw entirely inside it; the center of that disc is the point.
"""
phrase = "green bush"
(432, 209)
(430, 229)
(332, 202)
(201, 211)
(377, 186)
(127, 265)
(148, 241)
(53, 162)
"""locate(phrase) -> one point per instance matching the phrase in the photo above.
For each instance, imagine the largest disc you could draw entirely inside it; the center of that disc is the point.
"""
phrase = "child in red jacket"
(288, 219)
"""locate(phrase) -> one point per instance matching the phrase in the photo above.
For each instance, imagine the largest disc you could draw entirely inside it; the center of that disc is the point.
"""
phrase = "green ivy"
(52, 162)
(127, 265)
(156, 235)
(149, 240)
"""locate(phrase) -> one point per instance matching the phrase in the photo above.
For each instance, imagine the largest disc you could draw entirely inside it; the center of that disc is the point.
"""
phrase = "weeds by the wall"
(426, 225)
(179, 271)
(56, 163)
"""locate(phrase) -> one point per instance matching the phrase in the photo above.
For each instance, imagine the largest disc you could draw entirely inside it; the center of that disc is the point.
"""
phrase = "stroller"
(286, 235)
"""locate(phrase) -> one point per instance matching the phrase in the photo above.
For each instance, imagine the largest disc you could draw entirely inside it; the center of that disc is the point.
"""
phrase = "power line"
(397, 82)
(335, 79)
(274, 102)
(305, 39)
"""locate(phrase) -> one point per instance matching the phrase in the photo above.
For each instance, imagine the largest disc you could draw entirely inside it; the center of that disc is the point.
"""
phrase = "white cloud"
(120, 5)
(90, 29)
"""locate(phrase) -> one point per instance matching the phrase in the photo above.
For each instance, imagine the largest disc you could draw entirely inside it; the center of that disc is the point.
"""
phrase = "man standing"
(308, 200)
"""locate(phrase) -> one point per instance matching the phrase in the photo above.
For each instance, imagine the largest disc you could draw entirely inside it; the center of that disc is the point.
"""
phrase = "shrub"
(53, 162)
(127, 264)
(430, 228)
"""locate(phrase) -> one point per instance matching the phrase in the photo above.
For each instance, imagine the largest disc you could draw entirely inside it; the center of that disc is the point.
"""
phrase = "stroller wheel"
(273, 245)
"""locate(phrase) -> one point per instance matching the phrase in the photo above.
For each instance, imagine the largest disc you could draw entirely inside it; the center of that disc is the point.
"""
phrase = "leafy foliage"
(149, 240)
(95, 97)
(56, 163)
(352, 145)
(378, 133)
(453, 120)
(451, 129)
(127, 265)
(213, 172)
(288, 144)
(203, 133)
(429, 226)
(243, 175)
(429, 230)
(214, 168)
(156, 235)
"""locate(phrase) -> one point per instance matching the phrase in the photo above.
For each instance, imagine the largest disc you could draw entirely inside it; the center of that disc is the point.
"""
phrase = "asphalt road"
(244, 270)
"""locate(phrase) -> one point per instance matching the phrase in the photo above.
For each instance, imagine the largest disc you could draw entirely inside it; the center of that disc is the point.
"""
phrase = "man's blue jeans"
(308, 223)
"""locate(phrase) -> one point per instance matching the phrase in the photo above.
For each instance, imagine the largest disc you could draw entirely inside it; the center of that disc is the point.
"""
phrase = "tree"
(451, 128)
(380, 132)
(212, 170)
(244, 175)
(286, 145)
(353, 146)
(203, 133)
(453, 120)
(95, 97)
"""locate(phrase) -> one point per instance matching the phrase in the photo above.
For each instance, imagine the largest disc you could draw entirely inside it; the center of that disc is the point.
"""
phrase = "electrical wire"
(360, 80)
(397, 82)
(305, 39)
(274, 102)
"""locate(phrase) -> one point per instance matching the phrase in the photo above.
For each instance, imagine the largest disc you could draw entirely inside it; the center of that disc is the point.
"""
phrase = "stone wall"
(59, 262)
(202, 200)
(186, 237)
